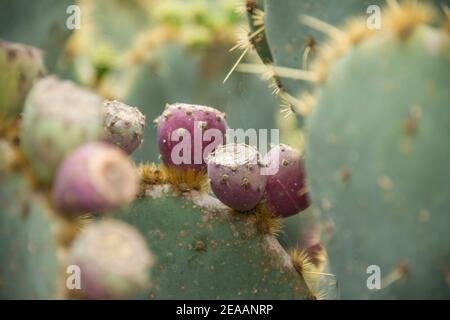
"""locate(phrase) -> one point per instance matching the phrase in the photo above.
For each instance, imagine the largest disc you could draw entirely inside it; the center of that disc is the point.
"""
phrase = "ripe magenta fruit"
(286, 193)
(188, 133)
(235, 173)
(95, 177)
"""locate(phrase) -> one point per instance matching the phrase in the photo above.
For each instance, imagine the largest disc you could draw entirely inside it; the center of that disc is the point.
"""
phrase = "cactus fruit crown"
(235, 174)
(94, 178)
(234, 155)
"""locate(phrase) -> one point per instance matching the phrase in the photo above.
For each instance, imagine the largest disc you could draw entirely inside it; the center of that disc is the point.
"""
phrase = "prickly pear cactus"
(64, 164)
(377, 156)
(29, 265)
(38, 23)
(205, 251)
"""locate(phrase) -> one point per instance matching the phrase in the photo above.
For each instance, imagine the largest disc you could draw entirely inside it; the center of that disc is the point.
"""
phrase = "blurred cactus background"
(364, 159)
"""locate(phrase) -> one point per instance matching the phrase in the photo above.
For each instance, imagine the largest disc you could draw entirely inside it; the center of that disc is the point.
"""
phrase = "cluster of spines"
(402, 18)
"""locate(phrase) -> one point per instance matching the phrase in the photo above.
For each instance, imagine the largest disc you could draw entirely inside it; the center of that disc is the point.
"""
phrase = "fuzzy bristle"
(303, 264)
(183, 180)
(289, 104)
(67, 228)
(287, 109)
(258, 18)
(319, 259)
(305, 104)
(151, 173)
(186, 180)
(355, 32)
(241, 7)
(245, 42)
(311, 273)
(265, 222)
(317, 295)
(246, 7)
(404, 17)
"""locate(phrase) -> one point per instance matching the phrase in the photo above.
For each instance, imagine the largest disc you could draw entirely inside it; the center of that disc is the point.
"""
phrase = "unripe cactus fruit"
(286, 193)
(113, 259)
(235, 173)
(95, 177)
(123, 125)
(20, 66)
(188, 133)
(58, 117)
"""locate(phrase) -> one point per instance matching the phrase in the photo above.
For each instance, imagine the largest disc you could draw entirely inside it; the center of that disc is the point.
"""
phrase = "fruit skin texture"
(114, 260)
(123, 126)
(235, 174)
(286, 192)
(96, 177)
(58, 117)
(182, 120)
(20, 67)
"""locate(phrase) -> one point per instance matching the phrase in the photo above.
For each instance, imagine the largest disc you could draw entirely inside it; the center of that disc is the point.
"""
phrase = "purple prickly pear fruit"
(188, 133)
(113, 258)
(94, 178)
(235, 174)
(123, 125)
(286, 193)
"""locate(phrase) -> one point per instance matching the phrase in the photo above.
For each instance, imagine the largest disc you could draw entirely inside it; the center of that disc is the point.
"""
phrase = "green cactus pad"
(203, 251)
(28, 268)
(377, 159)
(254, 9)
(38, 23)
(287, 35)
(20, 66)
